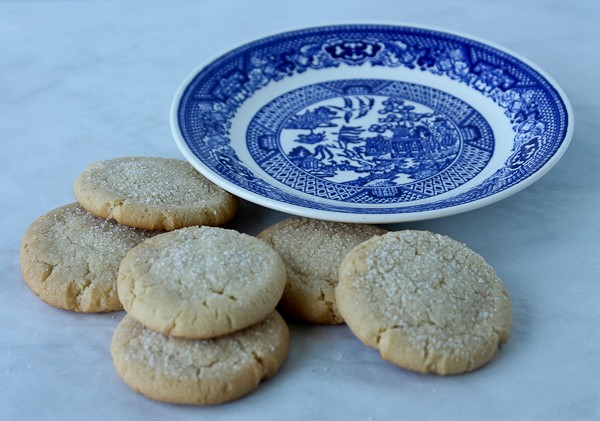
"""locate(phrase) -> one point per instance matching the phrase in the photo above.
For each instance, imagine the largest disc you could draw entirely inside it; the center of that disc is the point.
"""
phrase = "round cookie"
(312, 251)
(425, 301)
(201, 282)
(153, 193)
(70, 258)
(198, 371)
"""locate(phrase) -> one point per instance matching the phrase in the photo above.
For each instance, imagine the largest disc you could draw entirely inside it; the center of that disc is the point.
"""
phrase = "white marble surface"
(82, 81)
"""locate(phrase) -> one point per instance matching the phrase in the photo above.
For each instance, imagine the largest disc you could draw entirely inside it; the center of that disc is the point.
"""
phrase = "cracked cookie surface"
(198, 371)
(153, 193)
(312, 251)
(201, 282)
(70, 258)
(425, 301)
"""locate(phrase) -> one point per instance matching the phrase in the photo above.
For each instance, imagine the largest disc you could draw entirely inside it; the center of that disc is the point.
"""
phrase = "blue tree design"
(400, 118)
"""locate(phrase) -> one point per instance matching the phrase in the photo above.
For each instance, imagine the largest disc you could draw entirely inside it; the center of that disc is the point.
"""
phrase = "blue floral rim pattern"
(338, 158)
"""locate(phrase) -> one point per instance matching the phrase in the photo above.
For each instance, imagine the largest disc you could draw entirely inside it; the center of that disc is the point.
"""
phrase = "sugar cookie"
(200, 282)
(153, 193)
(312, 251)
(198, 371)
(70, 258)
(426, 302)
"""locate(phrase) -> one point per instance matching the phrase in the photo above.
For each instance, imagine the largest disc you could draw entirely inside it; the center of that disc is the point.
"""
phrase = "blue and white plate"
(371, 123)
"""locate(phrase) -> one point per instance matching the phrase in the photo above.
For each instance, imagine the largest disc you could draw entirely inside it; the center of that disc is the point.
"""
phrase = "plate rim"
(379, 218)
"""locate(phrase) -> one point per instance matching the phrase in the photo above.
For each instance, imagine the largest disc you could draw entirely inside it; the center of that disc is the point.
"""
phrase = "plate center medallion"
(352, 139)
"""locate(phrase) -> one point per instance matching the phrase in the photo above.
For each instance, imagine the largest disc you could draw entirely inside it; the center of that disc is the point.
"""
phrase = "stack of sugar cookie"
(201, 325)
(426, 302)
(70, 256)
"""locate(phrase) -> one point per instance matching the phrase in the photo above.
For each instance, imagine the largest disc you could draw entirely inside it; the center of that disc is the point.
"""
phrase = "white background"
(82, 81)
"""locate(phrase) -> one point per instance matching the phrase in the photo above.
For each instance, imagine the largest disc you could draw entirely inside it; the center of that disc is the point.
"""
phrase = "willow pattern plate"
(371, 123)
